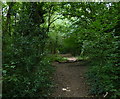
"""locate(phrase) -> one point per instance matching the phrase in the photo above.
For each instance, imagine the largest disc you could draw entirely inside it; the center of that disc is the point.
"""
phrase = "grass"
(56, 57)
(82, 58)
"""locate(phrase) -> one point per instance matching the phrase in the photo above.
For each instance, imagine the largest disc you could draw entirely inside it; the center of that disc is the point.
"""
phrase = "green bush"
(104, 73)
(104, 79)
(25, 70)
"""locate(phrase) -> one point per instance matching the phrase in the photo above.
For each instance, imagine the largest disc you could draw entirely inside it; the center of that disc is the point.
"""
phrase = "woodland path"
(70, 78)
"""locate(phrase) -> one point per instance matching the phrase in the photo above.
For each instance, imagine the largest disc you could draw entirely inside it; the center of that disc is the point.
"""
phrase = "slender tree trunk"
(7, 23)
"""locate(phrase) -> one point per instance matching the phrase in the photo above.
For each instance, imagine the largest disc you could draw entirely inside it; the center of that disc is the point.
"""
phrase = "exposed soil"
(70, 78)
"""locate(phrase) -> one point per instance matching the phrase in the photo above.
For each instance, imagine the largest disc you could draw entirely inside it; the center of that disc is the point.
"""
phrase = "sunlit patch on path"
(72, 59)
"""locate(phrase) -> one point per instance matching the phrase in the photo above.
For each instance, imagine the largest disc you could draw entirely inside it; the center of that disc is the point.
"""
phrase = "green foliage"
(97, 29)
(72, 45)
(31, 30)
(56, 41)
(25, 70)
(102, 49)
(104, 79)
(82, 58)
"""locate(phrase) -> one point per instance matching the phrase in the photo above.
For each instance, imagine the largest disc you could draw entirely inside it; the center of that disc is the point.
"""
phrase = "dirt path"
(70, 79)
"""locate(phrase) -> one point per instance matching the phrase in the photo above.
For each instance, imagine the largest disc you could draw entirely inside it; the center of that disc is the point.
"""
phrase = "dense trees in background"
(31, 31)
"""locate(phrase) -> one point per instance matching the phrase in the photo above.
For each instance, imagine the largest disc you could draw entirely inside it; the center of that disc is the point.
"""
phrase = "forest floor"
(70, 78)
